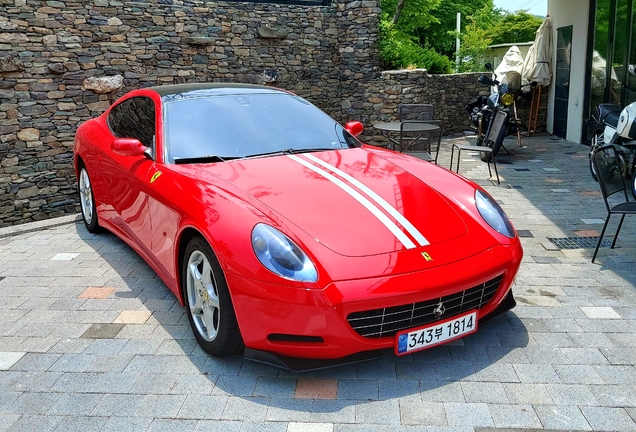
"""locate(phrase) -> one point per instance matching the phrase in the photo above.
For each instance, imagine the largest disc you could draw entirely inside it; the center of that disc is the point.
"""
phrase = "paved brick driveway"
(91, 340)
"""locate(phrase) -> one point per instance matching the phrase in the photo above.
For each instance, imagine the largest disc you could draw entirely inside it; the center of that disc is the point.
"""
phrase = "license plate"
(410, 341)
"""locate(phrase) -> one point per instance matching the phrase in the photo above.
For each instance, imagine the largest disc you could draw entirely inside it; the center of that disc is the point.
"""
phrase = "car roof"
(176, 91)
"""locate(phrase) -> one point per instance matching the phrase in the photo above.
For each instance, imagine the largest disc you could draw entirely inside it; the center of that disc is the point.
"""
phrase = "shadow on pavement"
(166, 349)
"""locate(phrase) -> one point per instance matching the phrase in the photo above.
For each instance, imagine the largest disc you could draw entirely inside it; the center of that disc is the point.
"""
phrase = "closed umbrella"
(537, 67)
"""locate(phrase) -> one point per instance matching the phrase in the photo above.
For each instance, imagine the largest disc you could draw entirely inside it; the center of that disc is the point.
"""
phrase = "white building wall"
(575, 13)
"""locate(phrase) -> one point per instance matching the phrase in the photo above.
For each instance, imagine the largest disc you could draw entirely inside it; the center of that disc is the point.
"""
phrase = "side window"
(134, 118)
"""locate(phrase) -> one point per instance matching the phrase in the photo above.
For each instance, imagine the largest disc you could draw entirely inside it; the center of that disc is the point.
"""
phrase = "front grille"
(385, 322)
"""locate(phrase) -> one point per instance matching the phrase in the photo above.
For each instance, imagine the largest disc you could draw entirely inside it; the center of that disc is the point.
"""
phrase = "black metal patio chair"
(610, 178)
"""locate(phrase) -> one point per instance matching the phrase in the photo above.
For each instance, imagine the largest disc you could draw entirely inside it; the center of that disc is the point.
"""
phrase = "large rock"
(278, 32)
(29, 134)
(104, 84)
(13, 38)
(11, 64)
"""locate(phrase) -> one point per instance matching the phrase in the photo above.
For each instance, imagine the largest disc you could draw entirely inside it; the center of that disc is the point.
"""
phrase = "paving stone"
(569, 394)
(246, 409)
(126, 424)
(314, 388)
(75, 404)
(102, 331)
(423, 413)
(608, 419)
(235, 386)
(8, 359)
(468, 414)
(160, 406)
(275, 387)
(333, 411)
(172, 425)
(535, 394)
(600, 312)
(475, 392)
(578, 374)
(405, 390)
(358, 389)
(202, 407)
(218, 426)
(378, 412)
(539, 374)
(562, 417)
(37, 422)
(614, 395)
(514, 416)
(118, 405)
(309, 427)
(289, 410)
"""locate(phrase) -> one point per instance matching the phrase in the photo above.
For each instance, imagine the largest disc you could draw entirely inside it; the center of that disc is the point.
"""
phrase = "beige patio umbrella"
(538, 67)
(538, 64)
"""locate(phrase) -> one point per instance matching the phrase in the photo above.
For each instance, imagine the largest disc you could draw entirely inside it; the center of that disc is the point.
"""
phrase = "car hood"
(353, 201)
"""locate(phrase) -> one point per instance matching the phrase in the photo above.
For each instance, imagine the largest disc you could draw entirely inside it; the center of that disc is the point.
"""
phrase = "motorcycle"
(615, 125)
(491, 117)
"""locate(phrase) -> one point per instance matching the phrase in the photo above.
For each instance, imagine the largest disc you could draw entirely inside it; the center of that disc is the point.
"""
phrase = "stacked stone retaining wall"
(51, 52)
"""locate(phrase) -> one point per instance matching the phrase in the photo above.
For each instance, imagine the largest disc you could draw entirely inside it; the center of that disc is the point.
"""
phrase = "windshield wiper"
(203, 159)
(275, 152)
(290, 151)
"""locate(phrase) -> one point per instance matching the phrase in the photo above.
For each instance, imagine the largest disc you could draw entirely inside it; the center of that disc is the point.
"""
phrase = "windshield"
(238, 126)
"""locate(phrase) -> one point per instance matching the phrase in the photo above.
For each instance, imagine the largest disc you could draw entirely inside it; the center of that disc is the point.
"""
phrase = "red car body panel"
(361, 265)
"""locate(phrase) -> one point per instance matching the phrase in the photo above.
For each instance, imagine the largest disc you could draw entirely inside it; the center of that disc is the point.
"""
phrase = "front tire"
(494, 145)
(87, 201)
(207, 300)
(597, 141)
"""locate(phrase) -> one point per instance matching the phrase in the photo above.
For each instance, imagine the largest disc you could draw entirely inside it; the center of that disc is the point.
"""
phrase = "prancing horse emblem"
(439, 310)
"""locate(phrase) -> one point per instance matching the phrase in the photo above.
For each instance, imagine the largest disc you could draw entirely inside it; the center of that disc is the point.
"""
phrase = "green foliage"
(474, 42)
(440, 35)
(399, 50)
(515, 27)
(416, 13)
(424, 35)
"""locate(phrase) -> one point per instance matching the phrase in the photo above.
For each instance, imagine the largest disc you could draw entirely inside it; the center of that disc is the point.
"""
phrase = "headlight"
(508, 99)
(281, 255)
(493, 214)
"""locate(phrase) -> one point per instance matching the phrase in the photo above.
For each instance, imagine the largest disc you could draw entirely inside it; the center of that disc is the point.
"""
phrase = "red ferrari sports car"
(283, 234)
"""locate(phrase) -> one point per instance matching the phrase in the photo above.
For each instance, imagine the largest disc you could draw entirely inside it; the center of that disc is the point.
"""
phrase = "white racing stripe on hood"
(408, 226)
(395, 230)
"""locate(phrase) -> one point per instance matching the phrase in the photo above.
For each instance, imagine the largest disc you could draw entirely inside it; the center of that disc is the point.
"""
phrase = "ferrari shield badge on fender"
(155, 176)
(426, 256)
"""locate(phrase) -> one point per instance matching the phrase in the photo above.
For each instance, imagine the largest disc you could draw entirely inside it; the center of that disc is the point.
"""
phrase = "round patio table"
(410, 126)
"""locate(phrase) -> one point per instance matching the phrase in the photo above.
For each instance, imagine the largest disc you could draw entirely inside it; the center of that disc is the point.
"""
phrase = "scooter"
(617, 126)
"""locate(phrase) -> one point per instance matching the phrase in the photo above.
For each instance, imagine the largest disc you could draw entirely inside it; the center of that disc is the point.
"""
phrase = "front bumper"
(312, 324)
(300, 365)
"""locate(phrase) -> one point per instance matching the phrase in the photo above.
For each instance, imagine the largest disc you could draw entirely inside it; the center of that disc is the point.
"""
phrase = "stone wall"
(51, 50)
(377, 100)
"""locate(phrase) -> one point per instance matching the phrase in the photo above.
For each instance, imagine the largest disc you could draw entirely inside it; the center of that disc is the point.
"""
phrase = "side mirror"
(483, 79)
(128, 147)
(488, 66)
(355, 128)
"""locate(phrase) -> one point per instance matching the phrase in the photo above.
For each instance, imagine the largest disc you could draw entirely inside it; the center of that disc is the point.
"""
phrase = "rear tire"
(87, 200)
(633, 182)
(207, 300)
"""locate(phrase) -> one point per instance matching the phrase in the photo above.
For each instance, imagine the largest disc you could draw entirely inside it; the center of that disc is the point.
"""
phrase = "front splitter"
(300, 365)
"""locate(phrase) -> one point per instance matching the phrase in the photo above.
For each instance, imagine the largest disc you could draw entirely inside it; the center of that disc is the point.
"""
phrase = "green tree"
(474, 43)
(440, 35)
(515, 27)
(399, 46)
